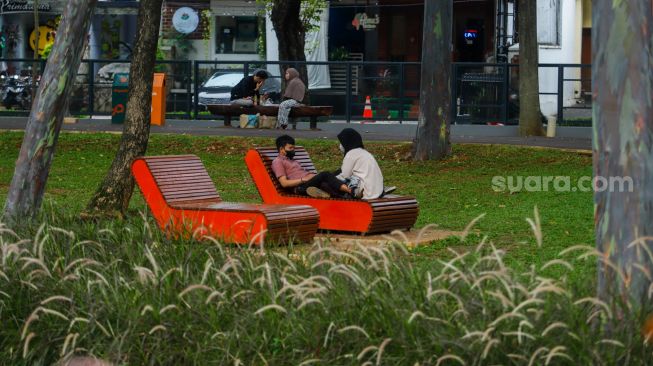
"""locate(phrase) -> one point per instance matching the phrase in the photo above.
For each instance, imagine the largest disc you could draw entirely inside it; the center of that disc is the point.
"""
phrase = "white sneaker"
(388, 190)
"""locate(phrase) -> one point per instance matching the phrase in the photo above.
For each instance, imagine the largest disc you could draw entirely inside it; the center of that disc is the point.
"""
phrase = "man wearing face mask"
(291, 175)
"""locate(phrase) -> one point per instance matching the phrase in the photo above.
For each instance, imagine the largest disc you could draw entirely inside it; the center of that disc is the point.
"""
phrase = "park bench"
(230, 110)
(183, 200)
(384, 214)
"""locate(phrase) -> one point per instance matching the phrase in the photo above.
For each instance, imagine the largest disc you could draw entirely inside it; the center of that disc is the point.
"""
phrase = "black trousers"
(325, 181)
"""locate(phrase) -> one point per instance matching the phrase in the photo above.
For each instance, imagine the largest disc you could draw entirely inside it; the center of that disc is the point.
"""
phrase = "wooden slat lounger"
(362, 216)
(183, 199)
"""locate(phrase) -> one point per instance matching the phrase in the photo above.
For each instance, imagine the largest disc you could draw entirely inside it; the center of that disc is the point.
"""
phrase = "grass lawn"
(451, 193)
(124, 292)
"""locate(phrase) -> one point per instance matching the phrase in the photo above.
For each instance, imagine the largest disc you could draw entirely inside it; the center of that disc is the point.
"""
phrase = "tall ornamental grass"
(129, 295)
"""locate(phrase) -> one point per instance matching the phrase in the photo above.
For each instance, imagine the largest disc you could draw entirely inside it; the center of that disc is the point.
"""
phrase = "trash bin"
(159, 100)
(119, 92)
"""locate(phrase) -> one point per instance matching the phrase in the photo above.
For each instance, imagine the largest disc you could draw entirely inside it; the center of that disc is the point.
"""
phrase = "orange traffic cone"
(367, 113)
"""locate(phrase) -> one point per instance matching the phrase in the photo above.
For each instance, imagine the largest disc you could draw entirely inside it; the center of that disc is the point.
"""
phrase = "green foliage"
(339, 54)
(208, 21)
(110, 37)
(311, 11)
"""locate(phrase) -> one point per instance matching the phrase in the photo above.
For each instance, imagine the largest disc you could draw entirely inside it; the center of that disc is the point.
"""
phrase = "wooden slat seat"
(183, 199)
(230, 110)
(353, 215)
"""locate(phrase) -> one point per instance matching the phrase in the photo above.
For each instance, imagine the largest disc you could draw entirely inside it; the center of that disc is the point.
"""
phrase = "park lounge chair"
(183, 200)
(361, 216)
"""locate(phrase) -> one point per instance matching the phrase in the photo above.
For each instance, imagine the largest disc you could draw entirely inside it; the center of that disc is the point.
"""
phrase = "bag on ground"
(267, 122)
(248, 120)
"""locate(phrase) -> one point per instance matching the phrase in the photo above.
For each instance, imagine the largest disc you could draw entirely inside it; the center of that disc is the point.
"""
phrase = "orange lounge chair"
(183, 200)
(362, 216)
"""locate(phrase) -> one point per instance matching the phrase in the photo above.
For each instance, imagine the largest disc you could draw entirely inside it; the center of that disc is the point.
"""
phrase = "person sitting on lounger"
(292, 175)
(359, 169)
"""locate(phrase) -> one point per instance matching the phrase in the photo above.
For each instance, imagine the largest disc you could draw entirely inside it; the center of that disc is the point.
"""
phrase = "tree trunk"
(432, 139)
(623, 138)
(291, 34)
(33, 165)
(530, 122)
(113, 195)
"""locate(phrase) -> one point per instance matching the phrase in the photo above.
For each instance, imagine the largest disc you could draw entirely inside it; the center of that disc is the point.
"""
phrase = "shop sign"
(361, 20)
(185, 20)
(17, 6)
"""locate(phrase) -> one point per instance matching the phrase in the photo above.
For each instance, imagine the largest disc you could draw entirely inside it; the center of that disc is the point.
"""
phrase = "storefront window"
(236, 34)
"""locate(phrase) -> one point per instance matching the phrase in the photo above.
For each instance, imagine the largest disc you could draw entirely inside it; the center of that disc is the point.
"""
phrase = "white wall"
(568, 52)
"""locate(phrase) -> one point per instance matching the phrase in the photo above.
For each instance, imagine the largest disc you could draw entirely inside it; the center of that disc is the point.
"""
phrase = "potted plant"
(386, 83)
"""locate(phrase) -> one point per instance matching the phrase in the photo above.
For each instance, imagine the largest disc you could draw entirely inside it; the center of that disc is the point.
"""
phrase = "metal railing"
(481, 92)
(488, 92)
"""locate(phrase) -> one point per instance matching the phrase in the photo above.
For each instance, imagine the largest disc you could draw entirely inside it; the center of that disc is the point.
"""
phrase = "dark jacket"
(245, 88)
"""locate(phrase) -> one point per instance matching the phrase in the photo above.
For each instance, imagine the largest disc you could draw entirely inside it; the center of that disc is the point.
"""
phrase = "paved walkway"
(370, 131)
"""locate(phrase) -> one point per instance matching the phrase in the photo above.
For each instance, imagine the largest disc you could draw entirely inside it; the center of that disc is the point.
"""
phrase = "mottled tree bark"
(291, 34)
(623, 139)
(530, 122)
(432, 140)
(35, 158)
(113, 195)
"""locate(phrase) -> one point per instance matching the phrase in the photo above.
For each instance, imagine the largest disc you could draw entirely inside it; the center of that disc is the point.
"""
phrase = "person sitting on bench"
(291, 174)
(246, 92)
(359, 169)
(294, 95)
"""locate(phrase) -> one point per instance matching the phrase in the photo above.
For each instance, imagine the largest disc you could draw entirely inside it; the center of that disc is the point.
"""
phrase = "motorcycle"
(16, 91)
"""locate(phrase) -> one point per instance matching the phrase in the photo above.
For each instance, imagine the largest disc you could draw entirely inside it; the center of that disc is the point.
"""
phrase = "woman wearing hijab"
(294, 95)
(359, 168)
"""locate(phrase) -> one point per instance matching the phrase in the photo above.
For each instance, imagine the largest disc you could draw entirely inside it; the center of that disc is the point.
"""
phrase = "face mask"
(342, 148)
(290, 154)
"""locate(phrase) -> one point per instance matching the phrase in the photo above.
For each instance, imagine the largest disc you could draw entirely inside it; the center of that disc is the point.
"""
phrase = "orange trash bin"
(159, 100)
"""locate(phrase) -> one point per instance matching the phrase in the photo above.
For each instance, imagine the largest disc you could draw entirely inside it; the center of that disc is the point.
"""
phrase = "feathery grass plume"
(75, 321)
(309, 302)
(332, 326)
(640, 244)
(535, 354)
(276, 307)
(157, 329)
(35, 261)
(56, 298)
(310, 361)
(553, 326)
(488, 347)
(26, 344)
(145, 275)
(611, 342)
(520, 336)
(557, 352)
(381, 348)
(596, 302)
(355, 328)
(82, 262)
(536, 226)
(469, 227)
(348, 272)
(193, 288)
(557, 262)
(451, 357)
(146, 309)
(366, 350)
(71, 339)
